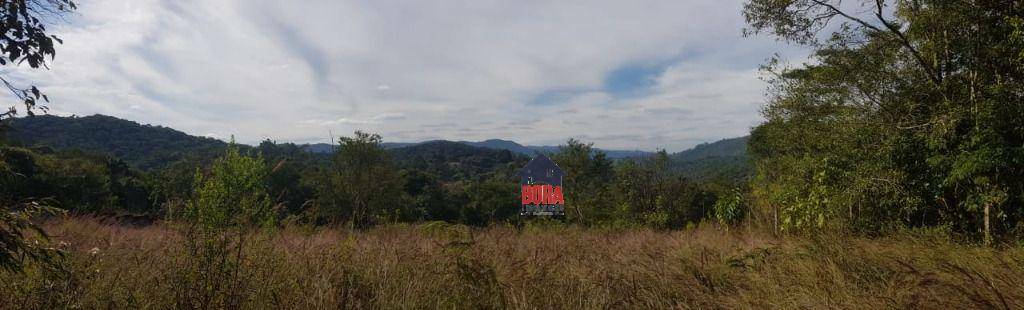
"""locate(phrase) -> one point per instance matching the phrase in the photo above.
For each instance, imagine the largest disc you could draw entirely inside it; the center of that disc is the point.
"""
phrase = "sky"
(621, 74)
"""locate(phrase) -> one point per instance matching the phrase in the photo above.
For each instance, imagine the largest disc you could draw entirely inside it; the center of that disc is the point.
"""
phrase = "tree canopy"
(26, 40)
(910, 114)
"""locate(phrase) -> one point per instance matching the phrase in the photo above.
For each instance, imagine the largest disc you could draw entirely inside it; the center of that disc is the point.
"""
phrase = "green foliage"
(452, 161)
(723, 161)
(233, 194)
(171, 188)
(227, 203)
(143, 147)
(649, 193)
(641, 192)
(26, 40)
(588, 173)
(22, 182)
(362, 185)
(493, 200)
(292, 177)
(734, 170)
(729, 209)
(75, 181)
(430, 198)
(437, 180)
(906, 117)
(20, 237)
(735, 147)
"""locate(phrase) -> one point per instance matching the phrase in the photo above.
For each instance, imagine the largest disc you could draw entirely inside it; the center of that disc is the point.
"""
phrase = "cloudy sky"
(621, 74)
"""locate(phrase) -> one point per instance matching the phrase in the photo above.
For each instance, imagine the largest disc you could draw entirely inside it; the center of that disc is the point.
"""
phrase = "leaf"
(14, 53)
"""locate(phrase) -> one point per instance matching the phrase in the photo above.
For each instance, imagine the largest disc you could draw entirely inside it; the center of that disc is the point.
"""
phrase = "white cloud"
(376, 119)
(291, 71)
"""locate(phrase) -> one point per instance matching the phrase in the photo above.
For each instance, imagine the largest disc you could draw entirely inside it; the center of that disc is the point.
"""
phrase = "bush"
(227, 204)
(730, 209)
(234, 194)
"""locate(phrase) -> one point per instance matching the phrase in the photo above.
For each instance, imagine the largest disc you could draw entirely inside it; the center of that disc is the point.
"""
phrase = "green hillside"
(734, 147)
(725, 160)
(150, 147)
(144, 147)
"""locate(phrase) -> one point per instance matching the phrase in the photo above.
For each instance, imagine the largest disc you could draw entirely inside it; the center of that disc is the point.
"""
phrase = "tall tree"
(588, 173)
(363, 185)
(910, 115)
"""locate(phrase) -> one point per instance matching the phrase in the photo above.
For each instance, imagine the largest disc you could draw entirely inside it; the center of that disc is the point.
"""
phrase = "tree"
(23, 23)
(16, 227)
(729, 208)
(588, 173)
(234, 194)
(909, 116)
(19, 177)
(227, 204)
(362, 186)
(429, 199)
(490, 201)
(290, 167)
(25, 40)
(649, 193)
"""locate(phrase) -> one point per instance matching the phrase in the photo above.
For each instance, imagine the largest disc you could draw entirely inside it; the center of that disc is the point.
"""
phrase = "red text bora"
(542, 195)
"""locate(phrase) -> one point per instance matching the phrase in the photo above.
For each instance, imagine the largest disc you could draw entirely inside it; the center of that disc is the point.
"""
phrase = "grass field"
(442, 266)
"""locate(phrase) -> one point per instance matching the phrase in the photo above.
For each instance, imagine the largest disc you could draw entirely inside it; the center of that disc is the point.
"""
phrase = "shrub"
(234, 194)
(227, 204)
(729, 209)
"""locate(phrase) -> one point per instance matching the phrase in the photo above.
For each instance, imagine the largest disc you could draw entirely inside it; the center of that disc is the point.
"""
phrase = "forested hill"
(724, 160)
(150, 147)
(735, 147)
(141, 146)
(457, 161)
(530, 150)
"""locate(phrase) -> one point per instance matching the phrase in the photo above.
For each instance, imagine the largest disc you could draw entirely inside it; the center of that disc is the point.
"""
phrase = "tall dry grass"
(442, 266)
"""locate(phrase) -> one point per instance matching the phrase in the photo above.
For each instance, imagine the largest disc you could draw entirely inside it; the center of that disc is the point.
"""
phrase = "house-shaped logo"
(541, 184)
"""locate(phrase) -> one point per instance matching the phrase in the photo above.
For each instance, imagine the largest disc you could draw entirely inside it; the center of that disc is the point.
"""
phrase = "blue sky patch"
(634, 80)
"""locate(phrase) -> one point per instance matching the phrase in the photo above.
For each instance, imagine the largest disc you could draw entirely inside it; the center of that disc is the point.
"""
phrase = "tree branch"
(935, 77)
(839, 12)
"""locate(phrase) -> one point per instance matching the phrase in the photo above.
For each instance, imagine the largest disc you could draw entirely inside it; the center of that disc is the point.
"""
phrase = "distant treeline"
(148, 147)
(361, 183)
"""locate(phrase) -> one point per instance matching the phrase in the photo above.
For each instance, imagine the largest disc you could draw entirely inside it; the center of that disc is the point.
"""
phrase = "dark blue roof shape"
(541, 170)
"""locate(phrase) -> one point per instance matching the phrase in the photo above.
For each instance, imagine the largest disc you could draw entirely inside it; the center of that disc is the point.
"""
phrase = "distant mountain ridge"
(721, 160)
(722, 148)
(494, 144)
(151, 147)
